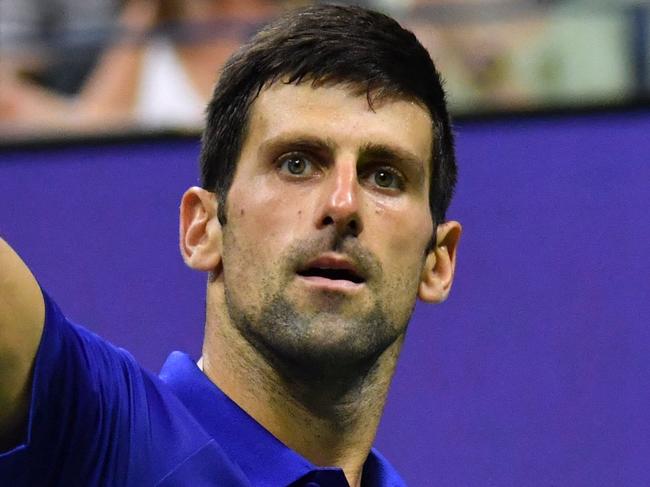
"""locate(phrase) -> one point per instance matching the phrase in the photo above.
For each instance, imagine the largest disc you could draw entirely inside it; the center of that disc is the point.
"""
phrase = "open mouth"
(332, 274)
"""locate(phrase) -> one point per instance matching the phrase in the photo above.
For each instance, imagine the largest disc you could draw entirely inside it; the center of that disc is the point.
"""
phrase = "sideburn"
(221, 209)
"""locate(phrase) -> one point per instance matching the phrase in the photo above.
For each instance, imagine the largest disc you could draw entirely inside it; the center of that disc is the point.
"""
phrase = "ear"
(200, 230)
(438, 272)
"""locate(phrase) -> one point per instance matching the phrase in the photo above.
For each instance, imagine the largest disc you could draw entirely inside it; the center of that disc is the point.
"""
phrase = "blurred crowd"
(79, 66)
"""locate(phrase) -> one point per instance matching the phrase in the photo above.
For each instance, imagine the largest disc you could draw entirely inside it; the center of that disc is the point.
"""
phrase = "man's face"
(328, 225)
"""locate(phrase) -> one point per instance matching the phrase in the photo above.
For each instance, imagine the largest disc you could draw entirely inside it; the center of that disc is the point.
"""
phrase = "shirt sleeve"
(88, 405)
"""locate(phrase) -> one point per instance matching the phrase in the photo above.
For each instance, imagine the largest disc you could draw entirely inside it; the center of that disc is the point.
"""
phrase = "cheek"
(406, 231)
(264, 221)
(403, 240)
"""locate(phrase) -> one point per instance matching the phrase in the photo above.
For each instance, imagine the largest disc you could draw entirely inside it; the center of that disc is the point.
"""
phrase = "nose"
(340, 199)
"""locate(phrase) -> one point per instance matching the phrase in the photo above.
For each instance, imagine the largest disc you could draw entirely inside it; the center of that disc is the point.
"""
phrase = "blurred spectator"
(37, 37)
(160, 58)
(475, 44)
(159, 70)
(514, 54)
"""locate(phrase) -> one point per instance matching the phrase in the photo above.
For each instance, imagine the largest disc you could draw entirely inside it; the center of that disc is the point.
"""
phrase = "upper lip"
(327, 263)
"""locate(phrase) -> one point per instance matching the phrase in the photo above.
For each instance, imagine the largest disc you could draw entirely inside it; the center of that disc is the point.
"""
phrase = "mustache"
(302, 252)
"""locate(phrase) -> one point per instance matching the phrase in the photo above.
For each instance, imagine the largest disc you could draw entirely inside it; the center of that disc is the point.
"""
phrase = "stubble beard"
(326, 345)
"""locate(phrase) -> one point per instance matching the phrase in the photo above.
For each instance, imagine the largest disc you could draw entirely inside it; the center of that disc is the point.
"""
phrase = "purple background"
(535, 372)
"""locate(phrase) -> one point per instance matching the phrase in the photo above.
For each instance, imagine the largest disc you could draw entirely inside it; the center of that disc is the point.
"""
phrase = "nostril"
(347, 226)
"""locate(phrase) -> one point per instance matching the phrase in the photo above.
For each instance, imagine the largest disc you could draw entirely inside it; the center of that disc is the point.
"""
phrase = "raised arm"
(22, 313)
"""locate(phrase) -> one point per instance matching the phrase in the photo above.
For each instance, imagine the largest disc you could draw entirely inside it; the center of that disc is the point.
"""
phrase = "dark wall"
(536, 372)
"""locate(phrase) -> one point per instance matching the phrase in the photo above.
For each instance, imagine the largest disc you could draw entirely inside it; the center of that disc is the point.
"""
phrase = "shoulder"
(97, 417)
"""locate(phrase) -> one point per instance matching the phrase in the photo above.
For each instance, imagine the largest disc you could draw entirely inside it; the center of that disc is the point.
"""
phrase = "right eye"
(296, 165)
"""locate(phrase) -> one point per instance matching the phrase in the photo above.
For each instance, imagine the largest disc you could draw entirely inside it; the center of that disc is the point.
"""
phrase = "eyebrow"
(299, 142)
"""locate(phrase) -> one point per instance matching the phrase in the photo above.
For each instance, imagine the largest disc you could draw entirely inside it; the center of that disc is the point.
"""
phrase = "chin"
(313, 343)
(332, 346)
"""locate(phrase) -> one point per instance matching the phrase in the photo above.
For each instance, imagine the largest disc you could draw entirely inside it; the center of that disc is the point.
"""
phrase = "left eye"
(386, 179)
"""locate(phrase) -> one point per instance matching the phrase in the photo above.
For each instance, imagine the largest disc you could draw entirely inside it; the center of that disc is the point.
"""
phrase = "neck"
(331, 421)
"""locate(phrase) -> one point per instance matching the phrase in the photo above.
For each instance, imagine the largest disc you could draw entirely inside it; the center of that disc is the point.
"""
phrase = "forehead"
(341, 115)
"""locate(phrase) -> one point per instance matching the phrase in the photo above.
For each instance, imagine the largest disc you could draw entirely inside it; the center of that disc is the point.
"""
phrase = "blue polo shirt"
(98, 419)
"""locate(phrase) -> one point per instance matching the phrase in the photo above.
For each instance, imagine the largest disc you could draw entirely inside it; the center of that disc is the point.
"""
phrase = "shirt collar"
(246, 441)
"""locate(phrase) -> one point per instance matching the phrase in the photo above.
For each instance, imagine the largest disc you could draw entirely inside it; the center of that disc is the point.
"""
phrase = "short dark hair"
(327, 44)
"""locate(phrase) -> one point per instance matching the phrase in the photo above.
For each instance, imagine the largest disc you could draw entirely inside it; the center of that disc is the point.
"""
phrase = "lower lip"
(331, 284)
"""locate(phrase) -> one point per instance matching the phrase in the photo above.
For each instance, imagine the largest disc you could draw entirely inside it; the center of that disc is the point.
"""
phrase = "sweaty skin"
(327, 130)
(323, 180)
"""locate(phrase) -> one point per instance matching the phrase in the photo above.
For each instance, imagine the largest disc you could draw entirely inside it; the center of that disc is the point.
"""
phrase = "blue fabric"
(97, 418)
